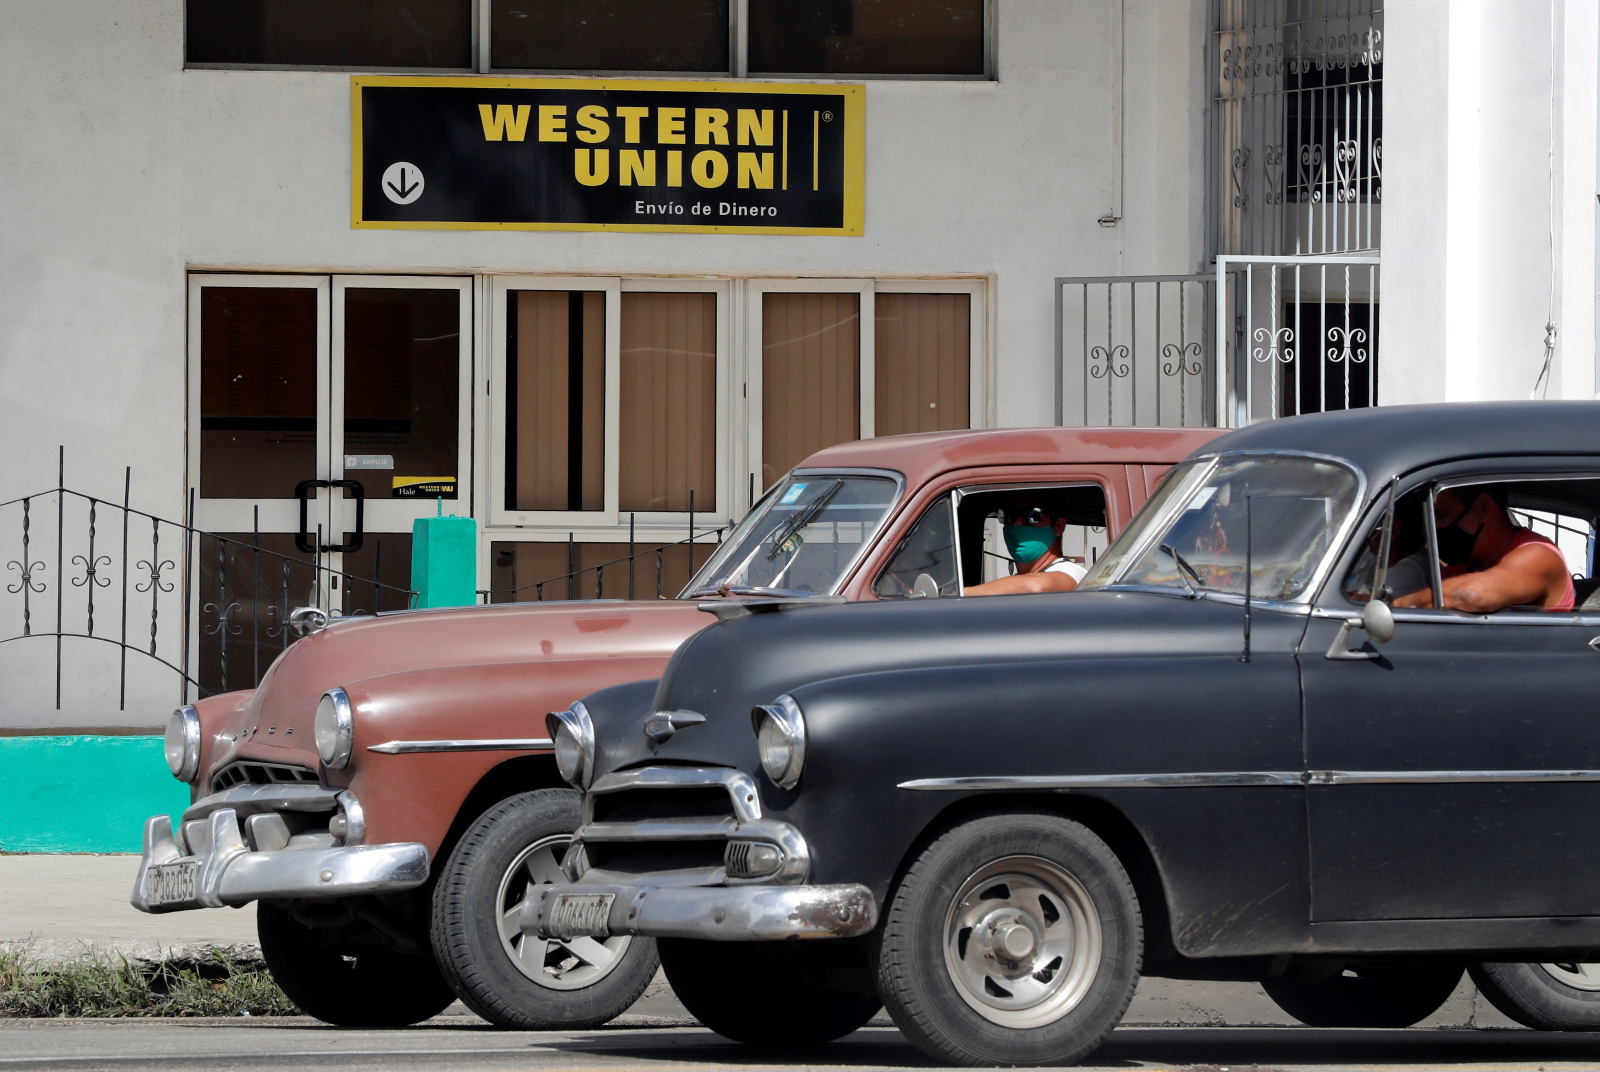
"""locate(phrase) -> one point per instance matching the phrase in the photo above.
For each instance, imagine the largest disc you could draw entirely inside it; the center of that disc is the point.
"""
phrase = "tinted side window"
(928, 552)
(332, 33)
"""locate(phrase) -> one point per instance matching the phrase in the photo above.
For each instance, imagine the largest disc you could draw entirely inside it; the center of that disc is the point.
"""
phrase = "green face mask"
(1027, 542)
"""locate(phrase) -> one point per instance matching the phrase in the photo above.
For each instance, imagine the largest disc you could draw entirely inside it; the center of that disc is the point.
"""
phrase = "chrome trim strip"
(400, 748)
(1242, 779)
(1460, 617)
(1108, 781)
(1447, 777)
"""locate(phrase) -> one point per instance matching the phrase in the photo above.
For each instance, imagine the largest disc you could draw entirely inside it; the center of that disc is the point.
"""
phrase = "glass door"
(398, 450)
(326, 415)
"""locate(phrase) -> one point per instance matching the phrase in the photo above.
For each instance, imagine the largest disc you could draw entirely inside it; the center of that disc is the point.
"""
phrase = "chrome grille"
(249, 772)
(674, 825)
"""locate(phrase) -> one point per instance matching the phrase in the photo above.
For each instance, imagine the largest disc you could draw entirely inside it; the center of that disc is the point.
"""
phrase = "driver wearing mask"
(1033, 536)
(1488, 562)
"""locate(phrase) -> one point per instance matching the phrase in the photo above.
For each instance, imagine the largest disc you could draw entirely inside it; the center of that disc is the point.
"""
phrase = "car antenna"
(1249, 537)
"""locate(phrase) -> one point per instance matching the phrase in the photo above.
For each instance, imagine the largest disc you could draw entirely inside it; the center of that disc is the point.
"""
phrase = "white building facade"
(1073, 211)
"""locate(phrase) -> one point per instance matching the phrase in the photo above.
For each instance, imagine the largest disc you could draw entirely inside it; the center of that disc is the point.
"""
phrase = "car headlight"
(183, 743)
(781, 737)
(335, 729)
(572, 732)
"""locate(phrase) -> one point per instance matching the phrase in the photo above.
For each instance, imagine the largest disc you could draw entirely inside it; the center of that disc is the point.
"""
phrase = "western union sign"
(606, 155)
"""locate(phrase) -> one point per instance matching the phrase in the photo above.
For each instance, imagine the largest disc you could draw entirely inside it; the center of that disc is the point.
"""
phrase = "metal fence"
(1301, 335)
(1260, 337)
(1135, 350)
(106, 605)
(206, 613)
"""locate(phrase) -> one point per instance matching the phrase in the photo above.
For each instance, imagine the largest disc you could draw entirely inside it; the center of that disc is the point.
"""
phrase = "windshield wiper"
(1183, 567)
(801, 519)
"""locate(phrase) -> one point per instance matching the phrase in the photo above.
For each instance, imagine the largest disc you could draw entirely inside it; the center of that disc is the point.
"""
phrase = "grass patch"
(217, 982)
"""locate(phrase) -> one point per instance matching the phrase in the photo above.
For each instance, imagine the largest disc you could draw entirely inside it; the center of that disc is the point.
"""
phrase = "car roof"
(924, 455)
(1389, 440)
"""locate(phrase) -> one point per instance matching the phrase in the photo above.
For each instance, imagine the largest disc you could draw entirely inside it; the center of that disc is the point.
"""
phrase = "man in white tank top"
(1033, 536)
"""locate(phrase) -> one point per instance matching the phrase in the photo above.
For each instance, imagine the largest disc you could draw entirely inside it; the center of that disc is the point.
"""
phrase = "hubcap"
(555, 963)
(1022, 942)
(1577, 976)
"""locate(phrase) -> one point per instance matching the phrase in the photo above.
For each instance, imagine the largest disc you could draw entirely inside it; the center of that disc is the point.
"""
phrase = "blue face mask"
(1027, 542)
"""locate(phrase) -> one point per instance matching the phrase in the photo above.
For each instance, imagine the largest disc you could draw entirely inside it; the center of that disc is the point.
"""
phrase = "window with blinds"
(810, 376)
(667, 428)
(555, 427)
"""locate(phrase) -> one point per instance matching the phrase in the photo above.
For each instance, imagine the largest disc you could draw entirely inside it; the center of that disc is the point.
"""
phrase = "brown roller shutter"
(668, 433)
(810, 377)
(922, 355)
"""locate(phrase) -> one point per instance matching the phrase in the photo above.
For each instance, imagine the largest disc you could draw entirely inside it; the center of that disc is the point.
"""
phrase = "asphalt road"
(464, 1044)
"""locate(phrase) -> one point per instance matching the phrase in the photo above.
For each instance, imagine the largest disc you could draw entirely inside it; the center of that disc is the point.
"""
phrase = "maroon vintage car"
(388, 796)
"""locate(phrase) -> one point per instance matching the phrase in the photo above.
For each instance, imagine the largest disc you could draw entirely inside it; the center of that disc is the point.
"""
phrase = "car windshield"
(802, 536)
(1194, 532)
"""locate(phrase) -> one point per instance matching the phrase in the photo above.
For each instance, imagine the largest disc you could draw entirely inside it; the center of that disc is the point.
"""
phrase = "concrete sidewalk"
(66, 904)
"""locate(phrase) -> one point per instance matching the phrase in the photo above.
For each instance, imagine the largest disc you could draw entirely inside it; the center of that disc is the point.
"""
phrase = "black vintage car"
(1220, 758)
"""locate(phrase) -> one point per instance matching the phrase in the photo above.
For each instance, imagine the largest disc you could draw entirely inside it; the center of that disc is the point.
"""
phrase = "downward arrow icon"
(403, 182)
(403, 190)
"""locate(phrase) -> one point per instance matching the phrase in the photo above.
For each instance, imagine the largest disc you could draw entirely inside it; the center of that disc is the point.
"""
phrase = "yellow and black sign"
(424, 487)
(607, 155)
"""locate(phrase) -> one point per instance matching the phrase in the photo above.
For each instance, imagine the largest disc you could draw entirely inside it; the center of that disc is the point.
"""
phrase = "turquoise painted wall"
(83, 794)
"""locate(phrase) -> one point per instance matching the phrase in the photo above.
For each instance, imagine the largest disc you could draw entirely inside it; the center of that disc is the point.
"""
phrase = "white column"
(1489, 199)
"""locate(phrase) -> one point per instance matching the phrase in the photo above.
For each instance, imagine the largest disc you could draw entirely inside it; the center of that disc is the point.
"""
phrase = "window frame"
(499, 514)
(978, 363)
(1338, 605)
(738, 58)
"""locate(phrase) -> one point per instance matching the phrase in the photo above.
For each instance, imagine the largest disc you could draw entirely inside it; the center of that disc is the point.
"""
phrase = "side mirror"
(1378, 621)
(925, 588)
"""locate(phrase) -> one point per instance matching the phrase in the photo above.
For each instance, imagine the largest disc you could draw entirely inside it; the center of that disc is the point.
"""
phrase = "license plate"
(574, 915)
(168, 883)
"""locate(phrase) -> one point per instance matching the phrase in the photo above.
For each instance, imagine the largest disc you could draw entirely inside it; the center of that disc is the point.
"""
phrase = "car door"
(1454, 772)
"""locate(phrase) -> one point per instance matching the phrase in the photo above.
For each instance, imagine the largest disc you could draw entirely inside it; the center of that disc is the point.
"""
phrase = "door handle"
(303, 539)
(360, 534)
(302, 491)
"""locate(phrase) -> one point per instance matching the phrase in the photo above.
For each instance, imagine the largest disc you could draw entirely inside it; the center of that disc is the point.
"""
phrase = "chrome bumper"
(229, 873)
(716, 913)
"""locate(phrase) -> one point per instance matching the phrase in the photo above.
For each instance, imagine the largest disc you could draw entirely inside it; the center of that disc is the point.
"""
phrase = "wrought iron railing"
(176, 605)
(1135, 350)
(1300, 334)
(576, 583)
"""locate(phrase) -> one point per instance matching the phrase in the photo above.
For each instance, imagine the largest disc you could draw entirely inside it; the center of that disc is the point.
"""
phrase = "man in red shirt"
(1490, 562)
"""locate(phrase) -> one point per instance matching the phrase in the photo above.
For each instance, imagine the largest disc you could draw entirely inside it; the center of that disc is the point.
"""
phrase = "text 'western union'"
(708, 168)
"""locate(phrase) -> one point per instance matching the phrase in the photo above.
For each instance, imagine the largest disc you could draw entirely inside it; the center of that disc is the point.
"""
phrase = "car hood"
(726, 670)
(274, 723)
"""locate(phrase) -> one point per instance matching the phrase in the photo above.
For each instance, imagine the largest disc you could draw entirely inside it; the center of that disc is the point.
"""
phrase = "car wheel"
(1366, 995)
(1013, 939)
(372, 987)
(1546, 997)
(519, 981)
(773, 993)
